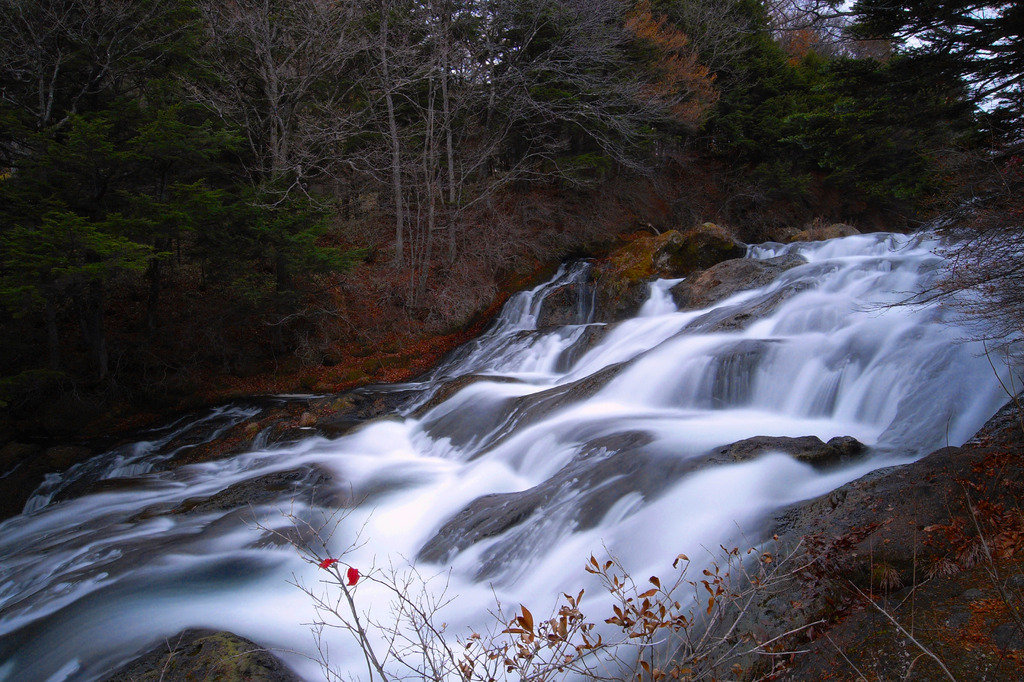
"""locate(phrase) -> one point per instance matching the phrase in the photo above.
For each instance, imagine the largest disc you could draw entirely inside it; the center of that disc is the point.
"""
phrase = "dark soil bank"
(917, 570)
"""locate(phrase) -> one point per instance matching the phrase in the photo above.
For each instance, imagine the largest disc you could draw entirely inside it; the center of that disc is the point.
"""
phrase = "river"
(588, 432)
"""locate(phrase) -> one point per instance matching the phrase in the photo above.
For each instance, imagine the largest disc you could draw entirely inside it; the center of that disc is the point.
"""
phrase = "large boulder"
(809, 449)
(566, 305)
(820, 233)
(725, 279)
(205, 655)
(310, 482)
(702, 247)
(883, 516)
(621, 279)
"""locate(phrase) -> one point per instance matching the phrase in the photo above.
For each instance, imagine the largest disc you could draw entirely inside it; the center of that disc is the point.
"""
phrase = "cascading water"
(543, 447)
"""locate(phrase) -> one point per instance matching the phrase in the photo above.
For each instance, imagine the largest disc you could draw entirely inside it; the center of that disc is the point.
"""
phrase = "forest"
(201, 199)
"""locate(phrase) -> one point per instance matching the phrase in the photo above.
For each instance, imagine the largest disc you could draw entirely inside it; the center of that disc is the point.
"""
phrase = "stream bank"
(932, 550)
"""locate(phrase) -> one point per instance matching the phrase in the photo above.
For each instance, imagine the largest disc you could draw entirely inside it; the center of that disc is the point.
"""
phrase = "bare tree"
(54, 54)
(474, 95)
(278, 71)
(718, 30)
(822, 26)
(422, 85)
(279, 74)
(986, 278)
(570, 83)
(467, 96)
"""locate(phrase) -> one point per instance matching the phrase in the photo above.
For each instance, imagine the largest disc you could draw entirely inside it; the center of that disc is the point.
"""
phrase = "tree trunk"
(450, 153)
(52, 337)
(154, 273)
(284, 278)
(92, 320)
(396, 150)
(396, 180)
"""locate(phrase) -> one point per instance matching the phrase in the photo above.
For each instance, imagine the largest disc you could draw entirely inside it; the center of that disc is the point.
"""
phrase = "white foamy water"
(589, 431)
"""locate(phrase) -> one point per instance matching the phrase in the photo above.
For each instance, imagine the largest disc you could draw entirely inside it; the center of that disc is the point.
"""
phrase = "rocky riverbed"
(909, 572)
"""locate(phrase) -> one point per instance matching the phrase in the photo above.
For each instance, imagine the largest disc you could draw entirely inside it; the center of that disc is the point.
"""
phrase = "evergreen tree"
(95, 146)
(884, 131)
(979, 42)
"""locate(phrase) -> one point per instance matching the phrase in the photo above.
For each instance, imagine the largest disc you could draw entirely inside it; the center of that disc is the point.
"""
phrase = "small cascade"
(512, 346)
(141, 457)
(548, 438)
(660, 301)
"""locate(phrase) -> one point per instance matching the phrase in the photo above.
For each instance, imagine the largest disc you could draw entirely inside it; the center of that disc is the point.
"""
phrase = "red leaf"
(327, 563)
(353, 575)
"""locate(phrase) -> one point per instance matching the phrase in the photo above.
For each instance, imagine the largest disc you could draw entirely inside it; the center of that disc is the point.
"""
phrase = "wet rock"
(809, 449)
(485, 517)
(605, 470)
(619, 299)
(61, 457)
(736, 317)
(578, 496)
(205, 655)
(817, 234)
(492, 421)
(453, 386)
(489, 414)
(262, 490)
(342, 413)
(1008, 636)
(209, 440)
(700, 248)
(621, 459)
(566, 305)
(725, 279)
(588, 337)
(847, 447)
(621, 279)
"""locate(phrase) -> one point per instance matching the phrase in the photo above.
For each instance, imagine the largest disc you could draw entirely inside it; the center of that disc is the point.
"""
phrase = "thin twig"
(906, 634)
(860, 675)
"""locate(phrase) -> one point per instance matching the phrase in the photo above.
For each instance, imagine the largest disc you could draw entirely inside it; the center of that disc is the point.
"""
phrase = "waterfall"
(528, 450)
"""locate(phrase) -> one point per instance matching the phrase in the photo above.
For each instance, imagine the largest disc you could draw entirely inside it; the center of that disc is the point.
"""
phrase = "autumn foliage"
(675, 72)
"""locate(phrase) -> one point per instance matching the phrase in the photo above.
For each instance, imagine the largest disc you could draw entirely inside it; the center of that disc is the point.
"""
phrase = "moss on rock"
(205, 655)
(702, 247)
(622, 277)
